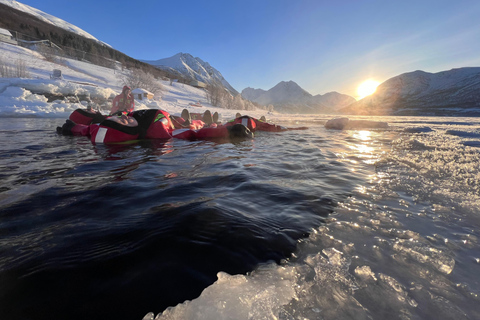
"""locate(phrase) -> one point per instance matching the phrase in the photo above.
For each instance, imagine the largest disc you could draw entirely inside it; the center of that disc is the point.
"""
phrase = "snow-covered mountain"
(193, 68)
(47, 18)
(454, 92)
(290, 97)
(183, 63)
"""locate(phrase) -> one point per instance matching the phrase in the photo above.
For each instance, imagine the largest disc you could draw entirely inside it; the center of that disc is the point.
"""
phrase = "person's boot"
(207, 117)
(66, 129)
(186, 116)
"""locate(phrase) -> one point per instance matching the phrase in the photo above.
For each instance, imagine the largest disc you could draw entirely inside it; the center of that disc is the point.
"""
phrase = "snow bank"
(18, 102)
(86, 81)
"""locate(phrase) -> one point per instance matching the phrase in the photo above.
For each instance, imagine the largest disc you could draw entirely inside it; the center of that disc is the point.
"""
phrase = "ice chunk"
(418, 129)
(239, 297)
(425, 254)
(337, 123)
(365, 273)
(345, 124)
(149, 316)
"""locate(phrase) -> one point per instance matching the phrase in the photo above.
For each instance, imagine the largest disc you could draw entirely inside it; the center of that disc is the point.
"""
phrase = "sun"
(367, 88)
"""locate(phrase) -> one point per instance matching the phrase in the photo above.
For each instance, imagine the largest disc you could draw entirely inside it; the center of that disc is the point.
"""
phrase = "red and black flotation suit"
(109, 131)
(152, 124)
(82, 116)
(255, 124)
(200, 134)
(247, 121)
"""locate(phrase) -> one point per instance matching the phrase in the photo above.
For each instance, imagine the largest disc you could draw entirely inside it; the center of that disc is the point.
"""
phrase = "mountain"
(31, 26)
(290, 97)
(193, 68)
(47, 18)
(446, 93)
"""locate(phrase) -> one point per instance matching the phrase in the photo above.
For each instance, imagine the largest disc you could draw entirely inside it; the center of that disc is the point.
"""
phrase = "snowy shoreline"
(83, 81)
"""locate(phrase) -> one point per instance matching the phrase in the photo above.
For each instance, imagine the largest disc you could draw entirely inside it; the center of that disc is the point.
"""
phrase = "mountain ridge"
(192, 67)
(425, 93)
(288, 96)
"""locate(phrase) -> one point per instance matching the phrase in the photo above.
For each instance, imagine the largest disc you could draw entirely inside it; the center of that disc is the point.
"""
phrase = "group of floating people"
(123, 124)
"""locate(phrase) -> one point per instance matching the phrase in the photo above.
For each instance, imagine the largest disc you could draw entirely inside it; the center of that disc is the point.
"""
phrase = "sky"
(322, 45)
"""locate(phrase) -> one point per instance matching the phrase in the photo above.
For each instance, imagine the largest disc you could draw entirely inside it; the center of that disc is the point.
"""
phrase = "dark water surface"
(312, 224)
(90, 232)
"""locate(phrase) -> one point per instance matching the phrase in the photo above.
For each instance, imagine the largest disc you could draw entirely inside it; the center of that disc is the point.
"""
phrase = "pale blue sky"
(321, 45)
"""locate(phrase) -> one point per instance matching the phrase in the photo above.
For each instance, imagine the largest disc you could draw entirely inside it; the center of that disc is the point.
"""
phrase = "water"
(314, 224)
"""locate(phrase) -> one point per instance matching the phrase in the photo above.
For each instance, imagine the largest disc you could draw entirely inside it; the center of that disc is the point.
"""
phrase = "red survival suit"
(255, 124)
(123, 102)
(152, 124)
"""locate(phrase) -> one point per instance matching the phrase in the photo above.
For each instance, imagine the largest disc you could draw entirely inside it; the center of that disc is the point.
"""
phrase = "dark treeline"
(27, 27)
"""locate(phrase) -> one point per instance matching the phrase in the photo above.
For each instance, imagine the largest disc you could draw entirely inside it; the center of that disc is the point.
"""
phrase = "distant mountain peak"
(288, 96)
(193, 68)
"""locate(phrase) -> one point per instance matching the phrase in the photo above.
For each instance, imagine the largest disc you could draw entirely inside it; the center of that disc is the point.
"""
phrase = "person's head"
(126, 90)
(239, 132)
(124, 120)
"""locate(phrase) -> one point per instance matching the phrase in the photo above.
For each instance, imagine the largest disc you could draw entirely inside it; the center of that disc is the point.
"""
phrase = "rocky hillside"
(447, 93)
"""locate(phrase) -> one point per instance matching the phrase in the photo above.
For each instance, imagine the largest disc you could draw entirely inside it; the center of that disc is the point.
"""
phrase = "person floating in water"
(148, 124)
(124, 102)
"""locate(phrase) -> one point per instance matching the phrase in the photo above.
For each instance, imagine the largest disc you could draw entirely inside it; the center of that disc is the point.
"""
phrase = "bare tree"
(215, 94)
(239, 103)
(19, 70)
(138, 78)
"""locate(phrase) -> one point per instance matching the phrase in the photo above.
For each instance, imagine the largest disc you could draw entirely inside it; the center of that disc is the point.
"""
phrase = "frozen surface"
(403, 246)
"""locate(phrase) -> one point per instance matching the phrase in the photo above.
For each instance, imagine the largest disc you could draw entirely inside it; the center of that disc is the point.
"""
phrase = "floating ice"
(365, 273)
(418, 129)
(426, 255)
(346, 124)
(239, 297)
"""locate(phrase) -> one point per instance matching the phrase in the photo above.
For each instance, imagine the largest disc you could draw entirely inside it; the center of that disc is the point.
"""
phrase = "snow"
(140, 91)
(49, 19)
(193, 66)
(20, 97)
(5, 32)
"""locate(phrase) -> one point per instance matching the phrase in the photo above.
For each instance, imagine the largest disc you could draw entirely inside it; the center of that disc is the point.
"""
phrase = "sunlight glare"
(367, 88)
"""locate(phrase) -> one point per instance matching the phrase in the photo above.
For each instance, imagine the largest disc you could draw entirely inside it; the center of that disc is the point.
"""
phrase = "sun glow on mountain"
(367, 88)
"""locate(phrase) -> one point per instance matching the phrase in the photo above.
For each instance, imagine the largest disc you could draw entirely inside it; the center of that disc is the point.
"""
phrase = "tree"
(239, 103)
(138, 78)
(215, 94)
